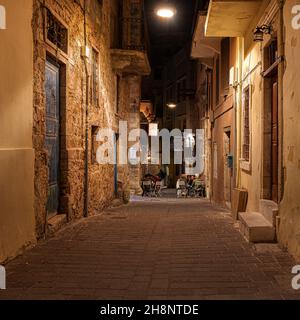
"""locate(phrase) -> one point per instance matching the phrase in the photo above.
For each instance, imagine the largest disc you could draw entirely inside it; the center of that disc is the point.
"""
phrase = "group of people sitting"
(186, 185)
(190, 186)
(152, 184)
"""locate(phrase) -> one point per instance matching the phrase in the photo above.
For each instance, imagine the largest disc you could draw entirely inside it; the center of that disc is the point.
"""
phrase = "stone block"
(256, 228)
(269, 209)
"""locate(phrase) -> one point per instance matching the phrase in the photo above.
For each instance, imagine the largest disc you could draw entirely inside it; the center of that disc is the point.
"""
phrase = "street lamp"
(258, 33)
(172, 105)
(165, 10)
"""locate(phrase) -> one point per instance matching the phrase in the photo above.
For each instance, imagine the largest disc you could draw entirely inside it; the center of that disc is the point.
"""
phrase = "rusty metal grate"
(133, 34)
(56, 32)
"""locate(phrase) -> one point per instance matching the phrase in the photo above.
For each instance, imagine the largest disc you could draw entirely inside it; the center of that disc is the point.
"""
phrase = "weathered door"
(274, 150)
(52, 134)
(227, 170)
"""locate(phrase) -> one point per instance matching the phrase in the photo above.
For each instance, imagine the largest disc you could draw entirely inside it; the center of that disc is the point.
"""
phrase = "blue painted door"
(52, 134)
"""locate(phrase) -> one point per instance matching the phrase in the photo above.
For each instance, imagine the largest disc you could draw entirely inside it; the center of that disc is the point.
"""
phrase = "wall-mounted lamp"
(258, 33)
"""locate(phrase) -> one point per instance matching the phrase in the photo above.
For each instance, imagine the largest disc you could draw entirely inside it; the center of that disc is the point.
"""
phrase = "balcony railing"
(133, 34)
(129, 42)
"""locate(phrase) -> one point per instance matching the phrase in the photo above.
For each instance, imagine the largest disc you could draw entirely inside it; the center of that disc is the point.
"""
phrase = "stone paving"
(152, 249)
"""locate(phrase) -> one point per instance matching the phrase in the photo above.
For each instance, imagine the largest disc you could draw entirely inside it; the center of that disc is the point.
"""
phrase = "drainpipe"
(86, 165)
(239, 88)
(212, 158)
(235, 153)
(212, 123)
(280, 39)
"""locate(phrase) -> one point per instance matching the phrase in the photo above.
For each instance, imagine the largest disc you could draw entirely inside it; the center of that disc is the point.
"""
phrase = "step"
(256, 228)
(269, 209)
(117, 202)
(56, 222)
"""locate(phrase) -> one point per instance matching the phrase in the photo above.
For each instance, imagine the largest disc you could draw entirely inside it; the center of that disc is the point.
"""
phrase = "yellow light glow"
(171, 105)
(165, 12)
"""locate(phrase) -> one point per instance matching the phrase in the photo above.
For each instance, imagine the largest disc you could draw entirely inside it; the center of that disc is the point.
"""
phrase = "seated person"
(190, 183)
(199, 186)
(181, 186)
(197, 180)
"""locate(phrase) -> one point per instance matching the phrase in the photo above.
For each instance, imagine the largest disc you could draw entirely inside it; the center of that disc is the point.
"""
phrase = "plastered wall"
(16, 152)
(289, 229)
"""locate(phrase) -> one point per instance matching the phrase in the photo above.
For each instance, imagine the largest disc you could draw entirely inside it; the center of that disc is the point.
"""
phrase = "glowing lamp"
(166, 12)
(172, 105)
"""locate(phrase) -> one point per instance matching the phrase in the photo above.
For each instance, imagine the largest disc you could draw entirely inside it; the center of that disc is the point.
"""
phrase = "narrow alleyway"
(152, 249)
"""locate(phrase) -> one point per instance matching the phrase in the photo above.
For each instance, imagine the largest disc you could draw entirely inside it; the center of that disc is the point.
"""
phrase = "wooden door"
(274, 148)
(227, 170)
(52, 140)
(116, 151)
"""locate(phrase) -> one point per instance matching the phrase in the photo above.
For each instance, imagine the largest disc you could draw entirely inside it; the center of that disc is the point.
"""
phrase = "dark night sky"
(168, 36)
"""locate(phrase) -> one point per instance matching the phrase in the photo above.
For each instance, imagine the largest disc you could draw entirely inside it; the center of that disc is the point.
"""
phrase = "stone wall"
(134, 123)
(73, 108)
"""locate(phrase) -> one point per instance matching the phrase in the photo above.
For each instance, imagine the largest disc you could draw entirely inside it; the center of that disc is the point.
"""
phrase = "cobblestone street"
(152, 249)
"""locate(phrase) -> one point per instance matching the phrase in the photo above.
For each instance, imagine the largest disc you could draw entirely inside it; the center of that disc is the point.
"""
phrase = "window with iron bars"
(95, 144)
(246, 116)
(56, 32)
(95, 78)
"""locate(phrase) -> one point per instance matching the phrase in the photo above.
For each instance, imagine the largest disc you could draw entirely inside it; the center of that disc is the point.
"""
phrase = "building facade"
(261, 77)
(73, 67)
(215, 99)
(179, 83)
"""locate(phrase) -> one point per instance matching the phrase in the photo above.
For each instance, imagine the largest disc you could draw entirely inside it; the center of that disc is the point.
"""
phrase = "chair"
(147, 188)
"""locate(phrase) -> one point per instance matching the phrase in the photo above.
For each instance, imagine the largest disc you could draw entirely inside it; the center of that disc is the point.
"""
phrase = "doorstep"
(256, 228)
(56, 222)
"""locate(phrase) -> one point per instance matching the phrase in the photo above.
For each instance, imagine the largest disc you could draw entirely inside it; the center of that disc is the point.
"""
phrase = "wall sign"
(2, 18)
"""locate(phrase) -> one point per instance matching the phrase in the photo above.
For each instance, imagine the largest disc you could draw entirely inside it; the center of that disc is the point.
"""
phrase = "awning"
(230, 18)
(203, 47)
